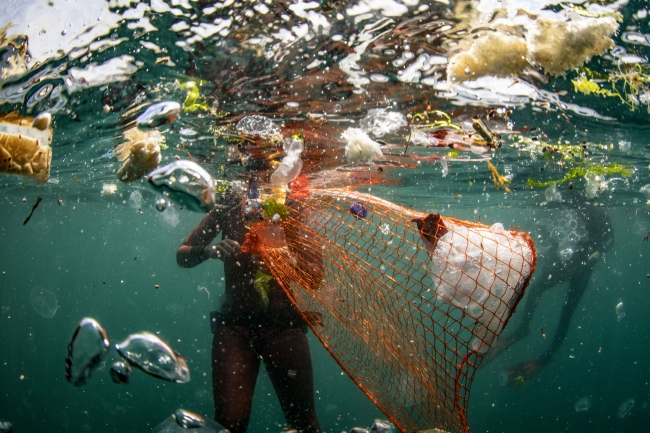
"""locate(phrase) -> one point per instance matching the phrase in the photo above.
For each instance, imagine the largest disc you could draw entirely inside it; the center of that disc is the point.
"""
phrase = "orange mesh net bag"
(406, 302)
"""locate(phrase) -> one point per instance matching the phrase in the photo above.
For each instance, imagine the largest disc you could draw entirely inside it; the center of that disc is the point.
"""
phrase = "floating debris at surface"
(257, 125)
(25, 146)
(159, 114)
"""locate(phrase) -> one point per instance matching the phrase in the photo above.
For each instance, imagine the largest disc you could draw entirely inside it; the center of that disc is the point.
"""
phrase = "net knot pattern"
(407, 302)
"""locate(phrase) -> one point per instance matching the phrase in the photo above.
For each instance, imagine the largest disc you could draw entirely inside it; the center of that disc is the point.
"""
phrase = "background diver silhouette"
(573, 239)
(248, 329)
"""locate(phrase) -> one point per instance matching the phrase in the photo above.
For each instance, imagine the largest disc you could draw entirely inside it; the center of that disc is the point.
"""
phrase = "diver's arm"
(196, 247)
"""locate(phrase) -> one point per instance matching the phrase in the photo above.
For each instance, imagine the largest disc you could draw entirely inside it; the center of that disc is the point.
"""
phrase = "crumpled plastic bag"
(25, 145)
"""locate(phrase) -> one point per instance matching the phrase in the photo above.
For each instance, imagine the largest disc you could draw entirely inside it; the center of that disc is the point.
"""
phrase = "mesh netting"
(406, 302)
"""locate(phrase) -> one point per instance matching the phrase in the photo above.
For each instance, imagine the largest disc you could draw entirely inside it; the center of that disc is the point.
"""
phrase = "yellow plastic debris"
(25, 146)
(142, 154)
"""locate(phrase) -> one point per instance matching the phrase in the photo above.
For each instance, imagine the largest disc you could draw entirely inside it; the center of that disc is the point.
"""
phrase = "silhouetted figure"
(251, 327)
(573, 238)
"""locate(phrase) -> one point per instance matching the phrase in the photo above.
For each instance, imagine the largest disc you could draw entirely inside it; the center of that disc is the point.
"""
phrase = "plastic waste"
(481, 271)
(187, 419)
(155, 357)
(380, 122)
(258, 125)
(25, 145)
(86, 350)
(6, 427)
(186, 183)
(170, 425)
(291, 164)
(359, 146)
(159, 114)
(142, 154)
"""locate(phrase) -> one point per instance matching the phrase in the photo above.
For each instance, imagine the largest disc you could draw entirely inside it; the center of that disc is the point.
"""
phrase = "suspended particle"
(358, 210)
(187, 419)
(86, 350)
(155, 357)
(120, 372)
(161, 204)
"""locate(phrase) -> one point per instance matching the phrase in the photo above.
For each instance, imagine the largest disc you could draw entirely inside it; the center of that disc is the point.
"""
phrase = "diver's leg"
(288, 362)
(577, 286)
(235, 366)
(534, 293)
(524, 370)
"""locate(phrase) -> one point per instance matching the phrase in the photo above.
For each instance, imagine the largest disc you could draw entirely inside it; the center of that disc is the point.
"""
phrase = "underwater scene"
(324, 216)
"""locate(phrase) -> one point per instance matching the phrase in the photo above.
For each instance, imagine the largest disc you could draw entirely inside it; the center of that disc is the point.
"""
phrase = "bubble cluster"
(568, 230)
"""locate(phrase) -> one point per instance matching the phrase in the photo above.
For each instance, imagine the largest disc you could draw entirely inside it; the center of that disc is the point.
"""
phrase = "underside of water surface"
(122, 123)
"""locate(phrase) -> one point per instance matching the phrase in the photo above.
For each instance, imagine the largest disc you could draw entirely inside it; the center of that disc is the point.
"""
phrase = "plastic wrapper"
(25, 146)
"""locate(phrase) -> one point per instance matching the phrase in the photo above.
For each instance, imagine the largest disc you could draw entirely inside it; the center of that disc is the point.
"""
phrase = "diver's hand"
(226, 249)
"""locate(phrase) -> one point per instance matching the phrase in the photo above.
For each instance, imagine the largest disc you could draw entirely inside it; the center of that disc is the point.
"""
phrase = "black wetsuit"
(248, 330)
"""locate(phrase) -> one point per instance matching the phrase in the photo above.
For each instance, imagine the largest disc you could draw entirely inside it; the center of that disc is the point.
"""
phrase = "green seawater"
(110, 254)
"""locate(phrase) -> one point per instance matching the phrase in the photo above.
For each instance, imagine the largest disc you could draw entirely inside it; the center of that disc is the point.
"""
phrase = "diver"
(572, 241)
(251, 328)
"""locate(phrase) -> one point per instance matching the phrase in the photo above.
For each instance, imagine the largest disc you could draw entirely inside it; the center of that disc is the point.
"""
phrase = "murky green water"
(109, 254)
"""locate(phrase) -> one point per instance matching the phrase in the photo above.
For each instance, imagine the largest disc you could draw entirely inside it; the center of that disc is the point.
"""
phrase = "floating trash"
(155, 357)
(25, 145)
(583, 404)
(625, 408)
(6, 427)
(43, 301)
(143, 158)
(187, 419)
(380, 122)
(109, 189)
(120, 372)
(359, 147)
(161, 204)
(159, 114)
(87, 348)
(170, 425)
(358, 210)
(185, 182)
(258, 125)
(382, 426)
(620, 310)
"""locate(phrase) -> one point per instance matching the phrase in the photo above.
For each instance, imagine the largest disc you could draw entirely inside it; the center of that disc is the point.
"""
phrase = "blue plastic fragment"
(358, 210)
